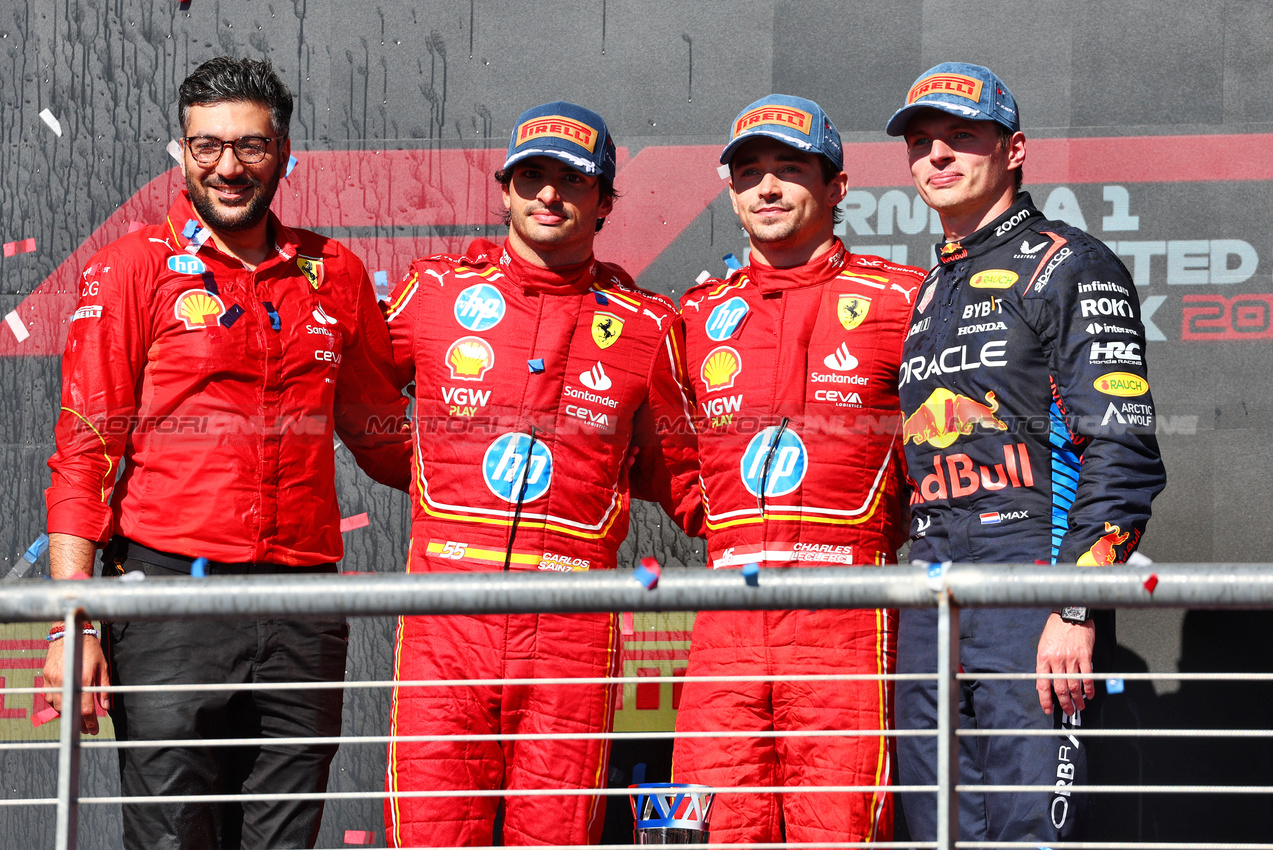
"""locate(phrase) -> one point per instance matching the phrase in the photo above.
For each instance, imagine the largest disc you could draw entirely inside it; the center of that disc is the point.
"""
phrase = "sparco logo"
(1012, 222)
(1062, 255)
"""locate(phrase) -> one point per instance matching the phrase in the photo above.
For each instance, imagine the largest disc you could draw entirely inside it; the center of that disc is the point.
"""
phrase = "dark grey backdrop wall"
(1148, 124)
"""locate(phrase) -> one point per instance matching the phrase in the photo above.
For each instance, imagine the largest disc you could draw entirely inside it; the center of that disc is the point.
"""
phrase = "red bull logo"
(952, 251)
(946, 416)
(1104, 551)
(957, 476)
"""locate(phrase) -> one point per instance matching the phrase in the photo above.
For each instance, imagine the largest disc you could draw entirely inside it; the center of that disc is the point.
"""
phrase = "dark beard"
(245, 218)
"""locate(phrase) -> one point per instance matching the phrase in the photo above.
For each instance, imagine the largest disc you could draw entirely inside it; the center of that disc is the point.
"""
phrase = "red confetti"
(626, 626)
(80, 576)
(1151, 582)
(349, 523)
(44, 716)
(23, 246)
(357, 836)
(134, 226)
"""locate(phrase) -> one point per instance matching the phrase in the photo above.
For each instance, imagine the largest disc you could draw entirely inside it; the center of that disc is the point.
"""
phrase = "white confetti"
(48, 118)
(15, 324)
(174, 150)
(702, 276)
(723, 171)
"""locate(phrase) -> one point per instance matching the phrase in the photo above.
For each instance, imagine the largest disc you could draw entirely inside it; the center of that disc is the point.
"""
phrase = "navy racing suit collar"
(994, 234)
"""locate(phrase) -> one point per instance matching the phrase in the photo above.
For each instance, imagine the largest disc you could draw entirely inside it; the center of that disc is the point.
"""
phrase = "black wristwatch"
(1073, 614)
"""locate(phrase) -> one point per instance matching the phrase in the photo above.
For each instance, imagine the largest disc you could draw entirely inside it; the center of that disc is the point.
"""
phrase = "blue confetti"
(1114, 686)
(275, 322)
(291, 163)
(536, 365)
(199, 567)
(230, 316)
(751, 574)
(191, 228)
(36, 549)
(732, 262)
(638, 773)
(382, 284)
(601, 299)
(648, 578)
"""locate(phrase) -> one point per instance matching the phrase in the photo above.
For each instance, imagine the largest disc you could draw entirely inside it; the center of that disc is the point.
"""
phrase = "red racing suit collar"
(562, 280)
(813, 273)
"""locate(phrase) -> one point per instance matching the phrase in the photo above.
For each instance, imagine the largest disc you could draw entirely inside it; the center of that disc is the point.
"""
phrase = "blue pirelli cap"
(794, 121)
(567, 132)
(969, 91)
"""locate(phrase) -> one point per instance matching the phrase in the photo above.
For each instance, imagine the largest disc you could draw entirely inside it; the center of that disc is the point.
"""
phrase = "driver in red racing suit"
(795, 365)
(549, 389)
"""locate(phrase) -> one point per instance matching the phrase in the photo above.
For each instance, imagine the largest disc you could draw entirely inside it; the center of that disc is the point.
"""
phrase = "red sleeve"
(666, 465)
(106, 346)
(370, 410)
(399, 314)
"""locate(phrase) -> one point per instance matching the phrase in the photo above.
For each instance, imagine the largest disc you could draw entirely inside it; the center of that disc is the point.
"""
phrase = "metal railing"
(946, 587)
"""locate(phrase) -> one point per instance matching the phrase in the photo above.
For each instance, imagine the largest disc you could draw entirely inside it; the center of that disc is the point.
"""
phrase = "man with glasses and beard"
(212, 357)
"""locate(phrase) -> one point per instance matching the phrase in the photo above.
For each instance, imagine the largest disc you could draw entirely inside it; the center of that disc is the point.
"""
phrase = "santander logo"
(841, 360)
(596, 379)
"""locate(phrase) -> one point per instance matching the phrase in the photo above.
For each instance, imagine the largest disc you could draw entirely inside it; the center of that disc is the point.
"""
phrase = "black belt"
(120, 549)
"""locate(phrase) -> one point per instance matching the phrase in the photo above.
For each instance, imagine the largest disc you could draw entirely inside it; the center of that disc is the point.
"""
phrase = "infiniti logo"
(596, 379)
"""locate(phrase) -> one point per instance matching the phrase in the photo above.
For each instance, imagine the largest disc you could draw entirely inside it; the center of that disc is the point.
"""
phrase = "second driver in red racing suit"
(549, 390)
(794, 363)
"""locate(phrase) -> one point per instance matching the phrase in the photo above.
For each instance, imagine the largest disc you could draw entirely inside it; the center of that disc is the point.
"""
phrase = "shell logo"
(469, 358)
(198, 309)
(721, 368)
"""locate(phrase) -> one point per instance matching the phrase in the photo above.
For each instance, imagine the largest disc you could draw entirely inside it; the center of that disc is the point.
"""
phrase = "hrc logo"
(783, 116)
(956, 84)
(559, 127)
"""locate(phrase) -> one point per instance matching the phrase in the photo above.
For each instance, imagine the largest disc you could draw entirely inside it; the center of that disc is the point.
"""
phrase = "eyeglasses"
(207, 150)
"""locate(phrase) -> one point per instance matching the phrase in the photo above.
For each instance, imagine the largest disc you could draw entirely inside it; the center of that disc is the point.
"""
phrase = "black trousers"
(189, 652)
(992, 640)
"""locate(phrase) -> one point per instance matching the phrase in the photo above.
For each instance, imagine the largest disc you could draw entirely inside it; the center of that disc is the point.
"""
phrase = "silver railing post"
(68, 753)
(947, 721)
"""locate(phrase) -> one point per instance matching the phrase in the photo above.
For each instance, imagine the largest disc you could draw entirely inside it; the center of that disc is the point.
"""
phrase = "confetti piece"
(626, 626)
(638, 773)
(44, 716)
(133, 576)
(191, 228)
(199, 567)
(15, 324)
(174, 150)
(291, 164)
(349, 523)
(381, 279)
(751, 574)
(358, 836)
(648, 573)
(48, 118)
(36, 549)
(704, 275)
(936, 573)
(601, 299)
(80, 575)
(732, 262)
(536, 365)
(1114, 686)
(22, 246)
(134, 226)
(723, 171)
(1151, 582)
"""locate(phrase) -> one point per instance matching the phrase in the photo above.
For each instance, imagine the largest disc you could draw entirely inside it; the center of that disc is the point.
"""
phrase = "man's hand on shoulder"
(1066, 648)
